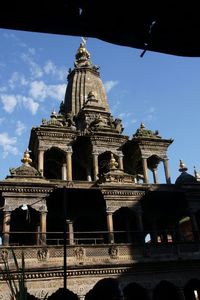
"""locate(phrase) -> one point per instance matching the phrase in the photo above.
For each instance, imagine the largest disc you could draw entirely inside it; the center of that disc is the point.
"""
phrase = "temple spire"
(82, 56)
(182, 167)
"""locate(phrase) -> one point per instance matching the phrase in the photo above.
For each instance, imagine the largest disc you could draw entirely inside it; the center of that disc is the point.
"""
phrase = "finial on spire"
(182, 167)
(82, 55)
(112, 163)
(26, 159)
(142, 126)
(53, 114)
(84, 40)
(196, 174)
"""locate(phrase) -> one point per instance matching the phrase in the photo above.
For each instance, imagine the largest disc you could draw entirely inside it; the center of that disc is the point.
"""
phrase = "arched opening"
(54, 159)
(107, 288)
(85, 209)
(31, 297)
(82, 159)
(165, 291)
(153, 163)
(185, 228)
(125, 227)
(62, 294)
(25, 226)
(135, 291)
(192, 290)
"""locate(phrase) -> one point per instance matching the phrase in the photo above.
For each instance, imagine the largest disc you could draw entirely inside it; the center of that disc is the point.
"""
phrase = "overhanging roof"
(171, 27)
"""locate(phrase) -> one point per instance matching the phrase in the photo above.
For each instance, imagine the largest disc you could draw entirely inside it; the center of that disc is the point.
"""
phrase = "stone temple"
(87, 216)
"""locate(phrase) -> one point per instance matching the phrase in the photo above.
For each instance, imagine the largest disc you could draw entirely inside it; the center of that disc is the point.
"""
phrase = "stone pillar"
(166, 168)
(194, 224)
(6, 227)
(150, 294)
(81, 297)
(181, 294)
(70, 232)
(69, 163)
(43, 226)
(121, 165)
(139, 221)
(110, 226)
(64, 171)
(153, 234)
(155, 176)
(41, 161)
(89, 176)
(95, 165)
(145, 170)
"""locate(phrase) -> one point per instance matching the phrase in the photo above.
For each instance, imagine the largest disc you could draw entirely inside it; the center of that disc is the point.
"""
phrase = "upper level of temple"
(84, 85)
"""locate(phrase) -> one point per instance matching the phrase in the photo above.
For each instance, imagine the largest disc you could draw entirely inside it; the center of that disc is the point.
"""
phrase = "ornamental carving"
(79, 253)
(42, 254)
(113, 252)
(4, 255)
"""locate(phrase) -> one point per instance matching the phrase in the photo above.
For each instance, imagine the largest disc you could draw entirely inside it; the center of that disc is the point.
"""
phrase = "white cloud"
(20, 128)
(40, 91)
(110, 84)
(51, 69)
(35, 69)
(17, 78)
(8, 144)
(9, 102)
(29, 104)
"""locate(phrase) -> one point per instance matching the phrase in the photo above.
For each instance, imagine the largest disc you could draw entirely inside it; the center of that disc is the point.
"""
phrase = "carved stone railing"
(107, 255)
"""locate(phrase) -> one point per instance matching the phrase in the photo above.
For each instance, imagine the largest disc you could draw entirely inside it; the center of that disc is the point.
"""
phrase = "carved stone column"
(150, 294)
(181, 294)
(95, 165)
(41, 161)
(110, 226)
(194, 224)
(145, 170)
(139, 221)
(6, 227)
(155, 175)
(89, 176)
(154, 234)
(166, 168)
(81, 297)
(64, 171)
(71, 232)
(69, 163)
(43, 226)
(121, 165)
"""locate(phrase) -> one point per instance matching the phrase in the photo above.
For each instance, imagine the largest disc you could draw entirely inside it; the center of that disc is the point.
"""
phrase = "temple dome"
(83, 81)
(184, 178)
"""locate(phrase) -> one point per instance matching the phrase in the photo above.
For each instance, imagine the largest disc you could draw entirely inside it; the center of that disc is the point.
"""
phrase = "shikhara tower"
(126, 234)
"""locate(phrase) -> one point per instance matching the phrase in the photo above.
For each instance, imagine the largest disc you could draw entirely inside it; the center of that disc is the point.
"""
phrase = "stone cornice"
(25, 189)
(123, 193)
(70, 273)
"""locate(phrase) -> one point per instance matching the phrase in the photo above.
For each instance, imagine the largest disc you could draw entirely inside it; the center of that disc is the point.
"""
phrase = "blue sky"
(163, 91)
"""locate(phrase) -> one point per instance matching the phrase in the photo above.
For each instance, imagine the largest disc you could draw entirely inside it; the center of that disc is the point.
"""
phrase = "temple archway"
(54, 159)
(62, 294)
(25, 225)
(165, 291)
(107, 288)
(135, 291)
(125, 227)
(192, 290)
